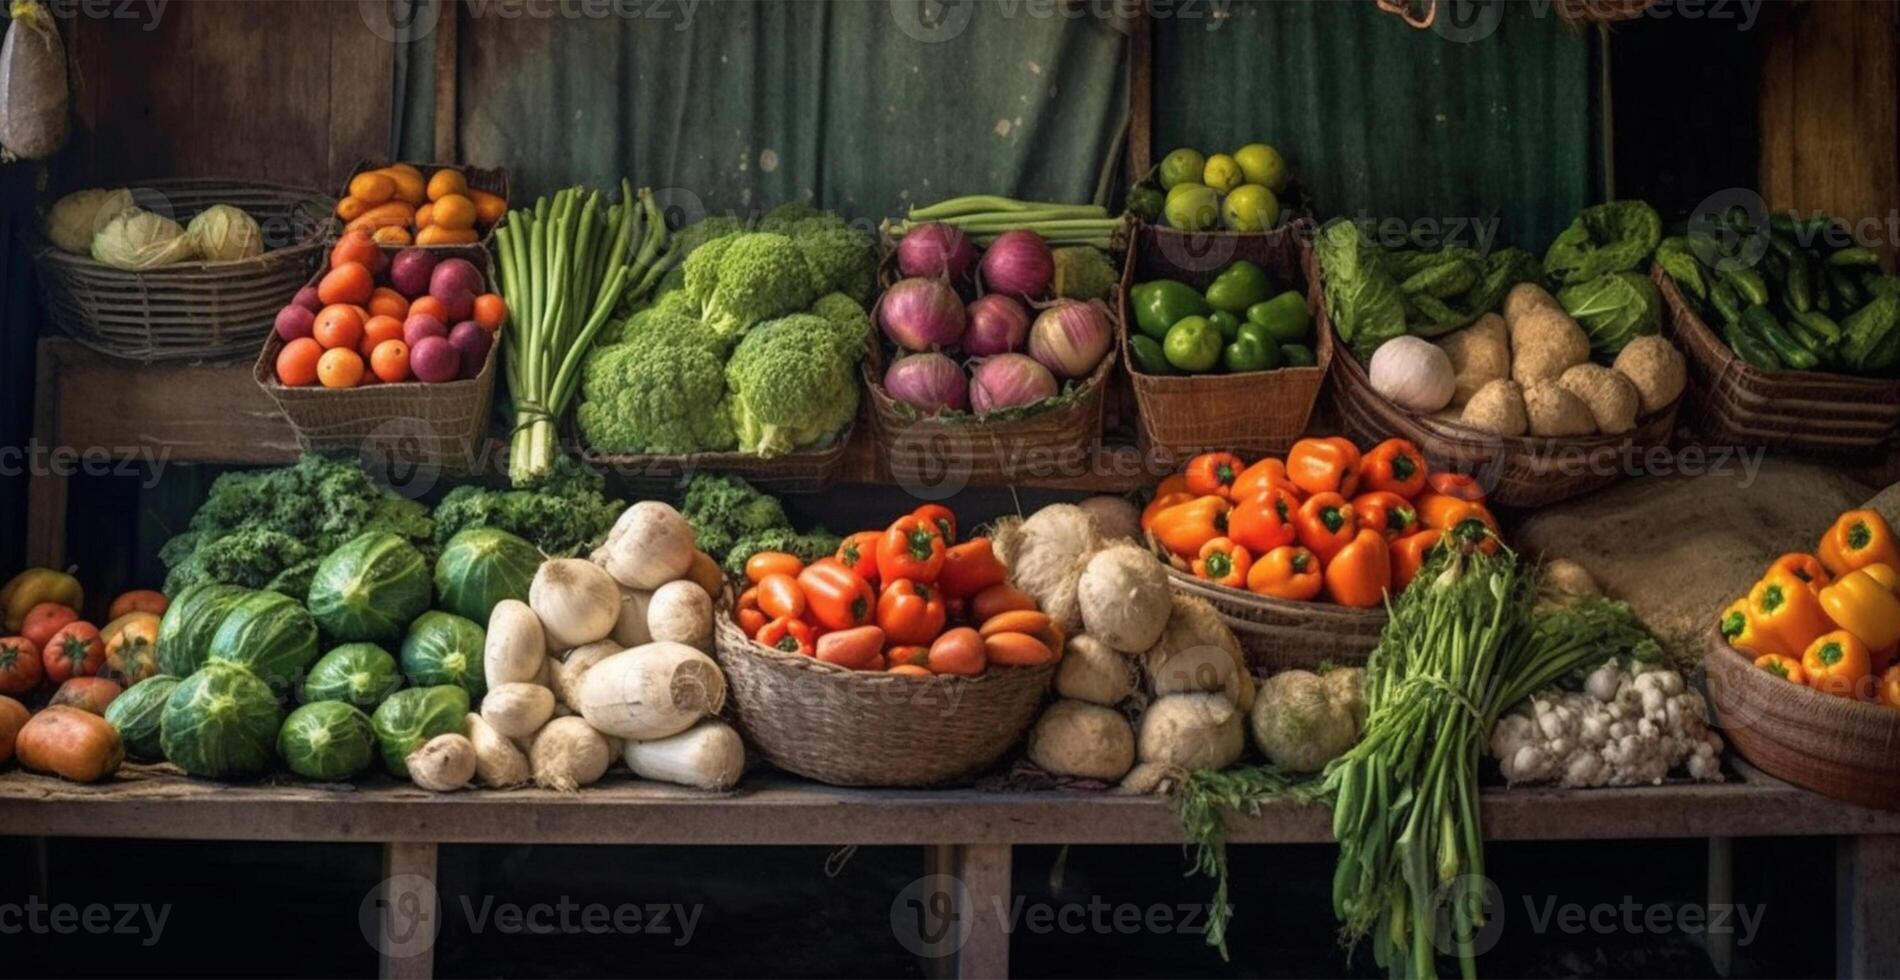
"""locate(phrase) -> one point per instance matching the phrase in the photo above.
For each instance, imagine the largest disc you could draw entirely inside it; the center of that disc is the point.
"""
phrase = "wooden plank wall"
(289, 92)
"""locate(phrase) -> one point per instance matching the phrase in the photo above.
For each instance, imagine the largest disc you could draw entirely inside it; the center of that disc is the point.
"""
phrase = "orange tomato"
(297, 362)
(138, 600)
(489, 208)
(438, 235)
(356, 246)
(372, 187)
(377, 329)
(491, 311)
(909, 670)
(1016, 650)
(350, 282)
(767, 563)
(338, 325)
(915, 656)
(958, 652)
(452, 211)
(446, 181)
(426, 305)
(780, 596)
(392, 235)
(340, 367)
(390, 361)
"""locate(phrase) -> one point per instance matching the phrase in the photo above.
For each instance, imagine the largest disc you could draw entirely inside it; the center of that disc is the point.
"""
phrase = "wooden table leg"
(1721, 894)
(46, 486)
(984, 870)
(408, 913)
(1866, 892)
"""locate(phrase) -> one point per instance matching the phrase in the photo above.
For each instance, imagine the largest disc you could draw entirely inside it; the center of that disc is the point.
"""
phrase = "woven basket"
(1280, 634)
(871, 728)
(193, 309)
(1257, 413)
(1835, 746)
(494, 180)
(405, 424)
(1735, 403)
(804, 471)
(1517, 471)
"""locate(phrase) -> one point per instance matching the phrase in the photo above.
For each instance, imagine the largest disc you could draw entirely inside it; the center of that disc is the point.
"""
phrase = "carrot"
(859, 648)
(1015, 621)
(70, 743)
(87, 693)
(13, 715)
(1016, 650)
(958, 652)
(998, 599)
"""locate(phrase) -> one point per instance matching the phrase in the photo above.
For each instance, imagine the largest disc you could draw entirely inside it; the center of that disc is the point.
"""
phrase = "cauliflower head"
(657, 394)
(747, 279)
(791, 386)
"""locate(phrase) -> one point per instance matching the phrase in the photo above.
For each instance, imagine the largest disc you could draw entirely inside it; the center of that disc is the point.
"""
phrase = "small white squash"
(1414, 374)
(709, 755)
(651, 692)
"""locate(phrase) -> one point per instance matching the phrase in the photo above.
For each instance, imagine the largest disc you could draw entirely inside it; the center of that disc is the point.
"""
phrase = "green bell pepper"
(1227, 323)
(1239, 286)
(1298, 355)
(1163, 303)
(1193, 344)
(1148, 355)
(1284, 316)
(1253, 349)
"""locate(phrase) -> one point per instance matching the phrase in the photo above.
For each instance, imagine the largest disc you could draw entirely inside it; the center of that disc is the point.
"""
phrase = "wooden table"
(970, 833)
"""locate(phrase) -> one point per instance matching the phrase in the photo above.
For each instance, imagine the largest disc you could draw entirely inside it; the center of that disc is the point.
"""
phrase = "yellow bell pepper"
(1740, 632)
(1786, 612)
(1861, 604)
(1885, 575)
(1858, 538)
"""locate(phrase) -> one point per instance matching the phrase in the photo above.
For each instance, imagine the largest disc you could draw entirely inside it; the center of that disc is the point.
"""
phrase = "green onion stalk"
(985, 216)
(565, 264)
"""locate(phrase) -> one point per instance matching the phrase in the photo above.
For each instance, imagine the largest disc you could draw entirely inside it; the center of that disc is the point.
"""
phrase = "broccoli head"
(666, 324)
(791, 386)
(710, 228)
(565, 516)
(747, 279)
(655, 397)
(847, 319)
(790, 215)
(839, 257)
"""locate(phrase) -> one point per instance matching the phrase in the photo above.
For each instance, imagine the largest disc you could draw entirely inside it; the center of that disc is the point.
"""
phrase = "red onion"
(936, 249)
(1009, 381)
(1070, 338)
(928, 382)
(996, 325)
(921, 314)
(1018, 263)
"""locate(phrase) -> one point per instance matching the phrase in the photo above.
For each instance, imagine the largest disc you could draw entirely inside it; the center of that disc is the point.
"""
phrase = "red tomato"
(75, 651)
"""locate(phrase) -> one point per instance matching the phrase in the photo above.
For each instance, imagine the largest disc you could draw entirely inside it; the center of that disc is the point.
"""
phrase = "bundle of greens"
(1600, 264)
(1374, 294)
(565, 516)
(267, 529)
(732, 521)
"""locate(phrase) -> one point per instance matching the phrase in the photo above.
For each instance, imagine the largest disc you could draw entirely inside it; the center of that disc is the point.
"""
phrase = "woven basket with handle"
(1256, 412)
(196, 310)
(1516, 471)
(1280, 634)
(1733, 402)
(871, 728)
(1835, 746)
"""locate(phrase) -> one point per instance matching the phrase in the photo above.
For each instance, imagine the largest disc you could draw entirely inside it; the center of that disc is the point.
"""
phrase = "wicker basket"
(804, 471)
(194, 309)
(1259, 412)
(405, 424)
(1280, 634)
(1735, 403)
(494, 180)
(1834, 746)
(870, 728)
(1518, 471)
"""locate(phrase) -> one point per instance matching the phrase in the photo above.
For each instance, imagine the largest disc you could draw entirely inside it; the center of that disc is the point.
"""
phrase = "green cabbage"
(137, 712)
(327, 740)
(1613, 237)
(410, 717)
(192, 619)
(443, 648)
(482, 566)
(270, 633)
(370, 588)
(224, 233)
(142, 240)
(362, 674)
(221, 722)
(1614, 309)
(76, 218)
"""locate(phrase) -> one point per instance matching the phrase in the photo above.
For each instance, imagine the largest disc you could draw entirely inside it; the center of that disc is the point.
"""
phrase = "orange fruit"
(436, 234)
(358, 247)
(340, 367)
(377, 329)
(395, 235)
(429, 306)
(372, 187)
(1890, 687)
(446, 181)
(425, 216)
(347, 283)
(351, 208)
(408, 181)
(297, 362)
(489, 208)
(490, 311)
(452, 211)
(338, 325)
(390, 361)
(384, 301)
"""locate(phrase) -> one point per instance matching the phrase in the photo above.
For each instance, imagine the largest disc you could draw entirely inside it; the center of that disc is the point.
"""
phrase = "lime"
(1182, 166)
(1221, 173)
(1192, 207)
(1250, 207)
(1263, 165)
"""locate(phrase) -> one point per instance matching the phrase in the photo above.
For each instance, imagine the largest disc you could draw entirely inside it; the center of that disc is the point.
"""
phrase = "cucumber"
(1799, 293)
(1749, 283)
(1845, 289)
(1760, 322)
(1818, 323)
(1752, 351)
(1854, 256)
(1727, 301)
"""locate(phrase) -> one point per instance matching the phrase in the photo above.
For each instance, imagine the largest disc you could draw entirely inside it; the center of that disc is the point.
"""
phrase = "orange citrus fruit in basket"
(297, 362)
(390, 361)
(347, 283)
(444, 182)
(384, 301)
(340, 367)
(338, 325)
(376, 330)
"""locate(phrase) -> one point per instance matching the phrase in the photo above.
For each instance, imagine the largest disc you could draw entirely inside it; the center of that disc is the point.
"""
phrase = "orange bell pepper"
(910, 612)
(911, 548)
(1223, 562)
(943, 517)
(1858, 538)
(1185, 527)
(1786, 612)
(858, 552)
(835, 597)
(969, 568)
(1261, 477)
(1329, 465)
(789, 635)
(1890, 686)
(1361, 572)
(1738, 628)
(1459, 485)
(1386, 512)
(1325, 524)
(1172, 483)
(1264, 521)
(1214, 473)
(1286, 572)
(1393, 466)
(1409, 554)
(1837, 663)
(1861, 604)
(1444, 511)
(1160, 503)
(1786, 668)
(1805, 567)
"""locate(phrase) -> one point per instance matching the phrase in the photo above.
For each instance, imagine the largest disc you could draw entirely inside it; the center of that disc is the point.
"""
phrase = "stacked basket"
(1281, 634)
